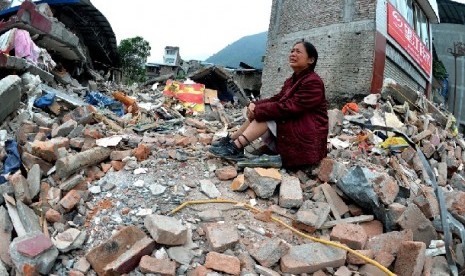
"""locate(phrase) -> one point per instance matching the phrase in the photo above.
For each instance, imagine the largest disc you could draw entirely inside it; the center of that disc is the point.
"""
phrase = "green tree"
(133, 53)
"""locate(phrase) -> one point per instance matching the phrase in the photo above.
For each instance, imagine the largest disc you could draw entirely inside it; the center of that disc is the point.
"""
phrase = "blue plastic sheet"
(100, 100)
(12, 161)
(45, 100)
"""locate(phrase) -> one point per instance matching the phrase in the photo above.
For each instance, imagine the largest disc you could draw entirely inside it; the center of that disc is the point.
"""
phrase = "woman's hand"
(250, 112)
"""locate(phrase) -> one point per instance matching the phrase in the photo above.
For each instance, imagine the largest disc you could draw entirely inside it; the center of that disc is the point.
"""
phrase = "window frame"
(416, 17)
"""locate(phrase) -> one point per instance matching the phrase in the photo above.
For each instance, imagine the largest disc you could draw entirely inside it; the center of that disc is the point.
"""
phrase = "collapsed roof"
(74, 32)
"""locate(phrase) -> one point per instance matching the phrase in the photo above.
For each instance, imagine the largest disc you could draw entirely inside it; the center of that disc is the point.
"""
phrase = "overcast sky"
(200, 28)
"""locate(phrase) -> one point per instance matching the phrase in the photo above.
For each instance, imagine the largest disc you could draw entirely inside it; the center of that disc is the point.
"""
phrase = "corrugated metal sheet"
(451, 12)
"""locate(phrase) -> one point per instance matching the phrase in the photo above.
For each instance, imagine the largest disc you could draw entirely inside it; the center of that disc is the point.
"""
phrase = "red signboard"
(400, 30)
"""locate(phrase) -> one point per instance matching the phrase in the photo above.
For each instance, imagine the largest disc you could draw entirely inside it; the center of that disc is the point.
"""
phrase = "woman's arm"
(309, 95)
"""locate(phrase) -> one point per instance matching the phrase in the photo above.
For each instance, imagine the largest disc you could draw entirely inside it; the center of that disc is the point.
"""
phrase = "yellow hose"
(248, 206)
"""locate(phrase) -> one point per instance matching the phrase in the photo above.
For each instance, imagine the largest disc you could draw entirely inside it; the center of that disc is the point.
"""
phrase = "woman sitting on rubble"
(295, 119)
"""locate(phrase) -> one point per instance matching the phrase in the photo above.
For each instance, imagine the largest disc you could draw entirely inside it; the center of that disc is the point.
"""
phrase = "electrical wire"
(326, 242)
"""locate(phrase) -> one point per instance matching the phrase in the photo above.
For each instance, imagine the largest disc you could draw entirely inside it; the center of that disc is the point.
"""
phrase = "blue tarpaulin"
(100, 100)
(12, 161)
(45, 100)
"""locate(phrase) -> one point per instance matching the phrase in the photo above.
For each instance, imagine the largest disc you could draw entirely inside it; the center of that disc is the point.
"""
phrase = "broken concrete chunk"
(70, 164)
(28, 218)
(33, 179)
(270, 251)
(311, 257)
(262, 181)
(64, 129)
(421, 227)
(211, 215)
(68, 240)
(10, 95)
(290, 192)
(34, 250)
(221, 236)
(6, 231)
(20, 187)
(209, 188)
(313, 214)
(166, 230)
(163, 267)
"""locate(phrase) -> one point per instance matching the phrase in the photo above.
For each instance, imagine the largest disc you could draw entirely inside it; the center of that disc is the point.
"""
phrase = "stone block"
(163, 267)
(311, 257)
(166, 230)
(10, 95)
(221, 236)
(290, 192)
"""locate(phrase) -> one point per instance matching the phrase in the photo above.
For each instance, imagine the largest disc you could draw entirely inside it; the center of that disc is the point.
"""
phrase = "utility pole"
(458, 51)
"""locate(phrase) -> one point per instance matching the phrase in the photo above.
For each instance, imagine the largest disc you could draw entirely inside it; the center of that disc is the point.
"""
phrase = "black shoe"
(228, 151)
(222, 141)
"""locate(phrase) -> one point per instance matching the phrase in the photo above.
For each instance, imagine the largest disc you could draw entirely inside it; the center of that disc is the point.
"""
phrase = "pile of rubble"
(90, 192)
(94, 178)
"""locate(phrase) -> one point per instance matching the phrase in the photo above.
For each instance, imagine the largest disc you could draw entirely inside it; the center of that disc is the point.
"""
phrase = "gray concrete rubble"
(89, 192)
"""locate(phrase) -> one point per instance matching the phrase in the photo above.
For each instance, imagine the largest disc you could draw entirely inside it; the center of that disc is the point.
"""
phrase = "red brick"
(226, 173)
(121, 253)
(163, 267)
(105, 167)
(352, 235)
(355, 260)
(199, 271)
(119, 155)
(223, 263)
(410, 259)
(34, 246)
(76, 143)
(389, 242)
(372, 228)
(52, 215)
(48, 150)
(142, 152)
(205, 139)
(30, 160)
(117, 165)
(385, 258)
(70, 200)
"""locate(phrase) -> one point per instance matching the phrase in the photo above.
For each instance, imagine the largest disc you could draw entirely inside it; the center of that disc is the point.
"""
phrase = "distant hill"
(248, 49)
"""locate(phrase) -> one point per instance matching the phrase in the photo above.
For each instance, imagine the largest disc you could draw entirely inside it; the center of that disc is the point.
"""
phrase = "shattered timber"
(104, 179)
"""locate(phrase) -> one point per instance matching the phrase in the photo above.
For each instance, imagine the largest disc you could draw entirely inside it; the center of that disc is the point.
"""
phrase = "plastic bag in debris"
(100, 100)
(45, 100)
(393, 141)
(12, 161)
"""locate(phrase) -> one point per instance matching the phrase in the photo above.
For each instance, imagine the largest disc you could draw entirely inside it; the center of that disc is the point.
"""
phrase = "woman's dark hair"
(311, 51)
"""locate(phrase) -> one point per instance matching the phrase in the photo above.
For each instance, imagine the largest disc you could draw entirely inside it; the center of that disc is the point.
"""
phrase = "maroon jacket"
(300, 112)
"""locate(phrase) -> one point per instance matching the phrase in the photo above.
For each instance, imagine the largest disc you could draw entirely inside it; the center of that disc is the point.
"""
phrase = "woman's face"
(299, 59)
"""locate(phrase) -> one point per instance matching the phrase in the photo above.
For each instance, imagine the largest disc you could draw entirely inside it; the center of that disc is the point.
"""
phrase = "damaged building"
(60, 41)
(449, 42)
(360, 43)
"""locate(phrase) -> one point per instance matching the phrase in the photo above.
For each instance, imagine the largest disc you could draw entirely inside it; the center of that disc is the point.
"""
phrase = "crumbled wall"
(343, 33)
